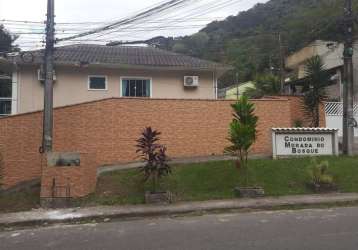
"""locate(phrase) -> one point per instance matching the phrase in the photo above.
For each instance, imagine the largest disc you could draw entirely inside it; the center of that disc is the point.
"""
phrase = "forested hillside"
(249, 41)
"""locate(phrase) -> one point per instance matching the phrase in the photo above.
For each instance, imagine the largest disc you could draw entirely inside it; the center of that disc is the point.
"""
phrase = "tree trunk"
(317, 116)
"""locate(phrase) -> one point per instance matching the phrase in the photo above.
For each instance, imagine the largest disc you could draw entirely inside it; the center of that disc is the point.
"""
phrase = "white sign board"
(304, 142)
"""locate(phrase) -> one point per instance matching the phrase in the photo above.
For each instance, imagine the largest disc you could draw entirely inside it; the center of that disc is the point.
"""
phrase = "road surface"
(324, 229)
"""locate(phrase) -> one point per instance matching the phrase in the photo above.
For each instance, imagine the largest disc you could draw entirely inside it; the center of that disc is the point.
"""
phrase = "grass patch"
(20, 201)
(216, 180)
(202, 181)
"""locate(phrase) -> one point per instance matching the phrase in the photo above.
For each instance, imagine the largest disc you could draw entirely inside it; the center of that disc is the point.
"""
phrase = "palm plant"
(154, 155)
(242, 133)
(314, 88)
(266, 84)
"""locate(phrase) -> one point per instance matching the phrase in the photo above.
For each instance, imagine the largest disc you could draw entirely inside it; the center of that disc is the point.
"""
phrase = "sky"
(200, 12)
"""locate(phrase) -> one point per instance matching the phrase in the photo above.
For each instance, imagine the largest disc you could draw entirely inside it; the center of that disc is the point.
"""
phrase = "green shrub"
(154, 155)
(298, 124)
(318, 174)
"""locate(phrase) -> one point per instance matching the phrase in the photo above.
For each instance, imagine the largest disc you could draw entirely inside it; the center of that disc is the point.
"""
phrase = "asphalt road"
(335, 229)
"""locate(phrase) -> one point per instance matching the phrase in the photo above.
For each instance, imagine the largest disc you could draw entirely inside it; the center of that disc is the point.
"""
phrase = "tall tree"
(315, 88)
(7, 40)
(266, 84)
(249, 40)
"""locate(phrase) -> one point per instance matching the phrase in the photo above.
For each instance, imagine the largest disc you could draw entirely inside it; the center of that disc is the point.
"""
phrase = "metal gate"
(334, 116)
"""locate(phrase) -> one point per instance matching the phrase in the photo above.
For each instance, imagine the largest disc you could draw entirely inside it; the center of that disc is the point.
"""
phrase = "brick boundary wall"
(108, 128)
(298, 113)
(68, 178)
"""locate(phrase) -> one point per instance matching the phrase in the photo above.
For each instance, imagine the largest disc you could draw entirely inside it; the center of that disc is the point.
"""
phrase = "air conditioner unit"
(191, 81)
(41, 75)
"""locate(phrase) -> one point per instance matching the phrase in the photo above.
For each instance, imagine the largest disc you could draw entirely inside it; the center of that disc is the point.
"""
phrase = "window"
(97, 83)
(5, 95)
(136, 87)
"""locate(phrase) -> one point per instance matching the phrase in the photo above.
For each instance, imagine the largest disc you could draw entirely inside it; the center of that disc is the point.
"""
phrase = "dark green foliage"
(317, 80)
(249, 40)
(154, 155)
(6, 40)
(298, 124)
(242, 132)
(194, 45)
(264, 85)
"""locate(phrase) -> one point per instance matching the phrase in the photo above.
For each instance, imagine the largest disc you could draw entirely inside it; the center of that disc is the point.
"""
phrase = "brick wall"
(298, 112)
(67, 179)
(109, 128)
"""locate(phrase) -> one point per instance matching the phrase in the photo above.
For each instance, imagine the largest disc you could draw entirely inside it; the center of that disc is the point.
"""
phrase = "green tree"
(180, 47)
(242, 133)
(194, 45)
(7, 40)
(266, 84)
(249, 40)
(314, 88)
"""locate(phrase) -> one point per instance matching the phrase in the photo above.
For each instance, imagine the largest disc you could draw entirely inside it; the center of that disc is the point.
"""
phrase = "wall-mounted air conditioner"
(191, 81)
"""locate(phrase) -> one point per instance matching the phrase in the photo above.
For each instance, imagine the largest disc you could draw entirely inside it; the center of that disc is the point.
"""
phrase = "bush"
(298, 124)
(320, 179)
(154, 155)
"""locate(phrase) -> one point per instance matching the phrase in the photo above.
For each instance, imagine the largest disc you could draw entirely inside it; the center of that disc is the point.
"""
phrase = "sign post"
(294, 142)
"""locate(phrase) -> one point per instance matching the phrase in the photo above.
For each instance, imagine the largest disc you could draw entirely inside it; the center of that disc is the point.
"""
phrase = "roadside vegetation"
(206, 181)
(20, 201)
(216, 180)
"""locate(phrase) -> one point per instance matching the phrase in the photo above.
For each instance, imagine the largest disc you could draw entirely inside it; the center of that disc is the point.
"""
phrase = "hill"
(250, 40)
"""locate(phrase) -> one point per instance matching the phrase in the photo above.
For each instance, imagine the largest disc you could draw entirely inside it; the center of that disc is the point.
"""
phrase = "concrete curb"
(105, 213)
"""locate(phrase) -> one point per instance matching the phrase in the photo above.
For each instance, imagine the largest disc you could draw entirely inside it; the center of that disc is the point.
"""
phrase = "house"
(90, 72)
(332, 56)
(5, 87)
(235, 91)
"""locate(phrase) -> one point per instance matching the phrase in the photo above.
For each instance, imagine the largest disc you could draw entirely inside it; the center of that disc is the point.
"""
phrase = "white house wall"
(71, 86)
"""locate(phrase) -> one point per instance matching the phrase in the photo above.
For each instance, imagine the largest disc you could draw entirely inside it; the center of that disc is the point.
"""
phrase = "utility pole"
(282, 63)
(48, 86)
(348, 120)
(237, 86)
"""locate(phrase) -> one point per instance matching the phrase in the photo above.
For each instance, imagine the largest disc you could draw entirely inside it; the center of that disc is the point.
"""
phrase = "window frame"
(98, 76)
(150, 79)
(9, 99)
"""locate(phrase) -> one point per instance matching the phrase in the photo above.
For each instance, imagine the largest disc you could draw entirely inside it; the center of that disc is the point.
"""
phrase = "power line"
(155, 10)
(184, 17)
(212, 5)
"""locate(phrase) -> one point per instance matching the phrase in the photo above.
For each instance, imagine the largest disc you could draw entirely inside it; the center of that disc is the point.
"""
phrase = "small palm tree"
(242, 133)
(314, 88)
(266, 84)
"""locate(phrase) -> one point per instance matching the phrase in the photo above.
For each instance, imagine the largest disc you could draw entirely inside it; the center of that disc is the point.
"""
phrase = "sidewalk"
(105, 213)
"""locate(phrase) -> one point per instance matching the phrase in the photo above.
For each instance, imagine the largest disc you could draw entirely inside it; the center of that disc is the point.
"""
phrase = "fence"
(108, 129)
(334, 116)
